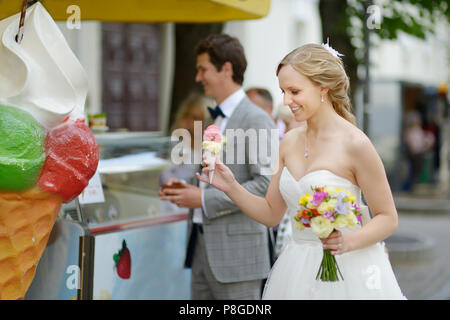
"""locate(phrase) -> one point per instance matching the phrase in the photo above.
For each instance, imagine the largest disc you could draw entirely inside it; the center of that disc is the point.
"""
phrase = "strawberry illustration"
(122, 260)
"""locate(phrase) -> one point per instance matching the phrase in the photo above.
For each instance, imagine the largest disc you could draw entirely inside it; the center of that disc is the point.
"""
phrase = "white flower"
(340, 222)
(351, 220)
(298, 225)
(331, 50)
(345, 221)
(321, 226)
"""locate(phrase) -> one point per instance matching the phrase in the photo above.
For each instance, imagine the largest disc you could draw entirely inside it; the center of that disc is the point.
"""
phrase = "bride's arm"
(371, 178)
(269, 210)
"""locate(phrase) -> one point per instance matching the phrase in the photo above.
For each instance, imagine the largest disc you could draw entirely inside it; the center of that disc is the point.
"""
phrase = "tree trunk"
(334, 24)
(186, 38)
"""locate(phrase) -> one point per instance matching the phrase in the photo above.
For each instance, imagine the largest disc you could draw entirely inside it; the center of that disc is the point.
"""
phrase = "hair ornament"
(331, 50)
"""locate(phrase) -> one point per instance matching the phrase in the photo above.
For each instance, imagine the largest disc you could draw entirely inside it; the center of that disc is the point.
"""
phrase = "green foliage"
(413, 17)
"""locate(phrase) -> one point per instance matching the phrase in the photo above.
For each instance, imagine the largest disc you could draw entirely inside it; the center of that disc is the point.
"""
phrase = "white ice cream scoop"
(41, 74)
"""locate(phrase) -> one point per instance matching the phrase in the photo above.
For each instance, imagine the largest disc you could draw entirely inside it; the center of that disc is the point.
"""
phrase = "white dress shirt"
(227, 106)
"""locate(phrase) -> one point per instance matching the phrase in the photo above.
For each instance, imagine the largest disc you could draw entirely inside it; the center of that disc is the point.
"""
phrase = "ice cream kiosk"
(80, 216)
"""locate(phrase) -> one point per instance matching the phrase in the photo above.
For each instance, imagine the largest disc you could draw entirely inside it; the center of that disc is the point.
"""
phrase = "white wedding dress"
(367, 272)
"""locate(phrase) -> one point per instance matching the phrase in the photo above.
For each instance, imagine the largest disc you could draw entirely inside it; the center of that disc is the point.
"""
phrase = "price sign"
(93, 193)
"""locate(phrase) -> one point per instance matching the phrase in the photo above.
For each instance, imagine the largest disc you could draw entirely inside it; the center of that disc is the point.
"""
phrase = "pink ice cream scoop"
(212, 133)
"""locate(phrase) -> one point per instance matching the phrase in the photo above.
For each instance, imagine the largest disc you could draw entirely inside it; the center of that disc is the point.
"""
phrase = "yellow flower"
(351, 198)
(298, 225)
(345, 221)
(338, 189)
(351, 220)
(340, 222)
(331, 204)
(330, 190)
(323, 207)
(321, 226)
(305, 199)
(327, 206)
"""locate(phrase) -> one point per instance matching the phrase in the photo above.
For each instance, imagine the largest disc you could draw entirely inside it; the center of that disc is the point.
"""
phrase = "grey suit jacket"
(237, 246)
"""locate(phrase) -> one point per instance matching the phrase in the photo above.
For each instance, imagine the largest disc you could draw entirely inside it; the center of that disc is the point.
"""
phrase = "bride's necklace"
(306, 154)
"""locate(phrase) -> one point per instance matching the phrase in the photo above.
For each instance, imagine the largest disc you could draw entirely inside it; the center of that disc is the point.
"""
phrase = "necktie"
(216, 112)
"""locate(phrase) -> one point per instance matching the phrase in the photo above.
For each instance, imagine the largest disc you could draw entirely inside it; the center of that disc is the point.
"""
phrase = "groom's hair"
(222, 48)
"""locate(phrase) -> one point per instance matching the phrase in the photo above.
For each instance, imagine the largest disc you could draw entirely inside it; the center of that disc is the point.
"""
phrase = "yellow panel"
(259, 7)
(201, 11)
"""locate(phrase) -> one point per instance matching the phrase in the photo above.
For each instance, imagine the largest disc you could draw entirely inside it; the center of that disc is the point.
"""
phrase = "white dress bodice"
(291, 191)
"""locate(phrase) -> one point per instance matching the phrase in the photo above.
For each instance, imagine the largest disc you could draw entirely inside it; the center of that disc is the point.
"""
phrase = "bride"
(332, 151)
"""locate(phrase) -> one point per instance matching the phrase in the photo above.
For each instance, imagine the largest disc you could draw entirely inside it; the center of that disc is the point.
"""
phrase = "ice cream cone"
(26, 220)
(211, 158)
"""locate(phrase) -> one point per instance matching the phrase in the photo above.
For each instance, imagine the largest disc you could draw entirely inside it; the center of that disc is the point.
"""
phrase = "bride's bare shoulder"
(292, 137)
(358, 141)
(290, 141)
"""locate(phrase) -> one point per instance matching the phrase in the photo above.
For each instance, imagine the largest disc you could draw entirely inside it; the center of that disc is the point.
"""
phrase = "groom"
(227, 251)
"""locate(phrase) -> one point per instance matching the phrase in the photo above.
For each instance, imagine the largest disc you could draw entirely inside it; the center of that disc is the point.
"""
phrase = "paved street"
(424, 273)
(420, 248)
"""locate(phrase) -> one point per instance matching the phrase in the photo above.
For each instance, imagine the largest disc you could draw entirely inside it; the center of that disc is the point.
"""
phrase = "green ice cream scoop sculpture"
(22, 149)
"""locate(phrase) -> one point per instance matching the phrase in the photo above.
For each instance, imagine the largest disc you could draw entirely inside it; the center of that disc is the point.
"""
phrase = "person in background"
(227, 251)
(417, 142)
(192, 109)
(285, 115)
(263, 99)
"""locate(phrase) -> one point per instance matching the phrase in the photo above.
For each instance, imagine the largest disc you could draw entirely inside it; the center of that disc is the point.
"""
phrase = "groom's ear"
(227, 67)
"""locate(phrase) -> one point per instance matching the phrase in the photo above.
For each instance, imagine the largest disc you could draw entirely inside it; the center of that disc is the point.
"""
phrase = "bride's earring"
(321, 99)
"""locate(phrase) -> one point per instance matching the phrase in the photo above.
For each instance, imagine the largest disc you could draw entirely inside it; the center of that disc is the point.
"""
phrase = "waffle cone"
(26, 220)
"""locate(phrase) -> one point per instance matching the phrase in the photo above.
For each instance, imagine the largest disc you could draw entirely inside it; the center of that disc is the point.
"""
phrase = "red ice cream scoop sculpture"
(72, 159)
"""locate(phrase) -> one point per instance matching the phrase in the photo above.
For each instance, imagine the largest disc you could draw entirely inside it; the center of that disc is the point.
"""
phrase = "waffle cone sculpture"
(47, 153)
(26, 220)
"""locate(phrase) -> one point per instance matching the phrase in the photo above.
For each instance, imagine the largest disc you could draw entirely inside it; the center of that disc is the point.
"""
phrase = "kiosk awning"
(188, 11)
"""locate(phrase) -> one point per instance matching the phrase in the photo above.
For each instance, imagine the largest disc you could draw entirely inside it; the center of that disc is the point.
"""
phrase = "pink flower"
(318, 198)
(329, 215)
(359, 217)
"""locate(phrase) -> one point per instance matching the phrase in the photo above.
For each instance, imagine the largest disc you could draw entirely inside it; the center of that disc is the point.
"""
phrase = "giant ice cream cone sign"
(47, 153)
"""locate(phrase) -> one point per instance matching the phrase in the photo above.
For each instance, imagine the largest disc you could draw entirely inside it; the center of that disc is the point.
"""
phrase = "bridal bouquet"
(324, 210)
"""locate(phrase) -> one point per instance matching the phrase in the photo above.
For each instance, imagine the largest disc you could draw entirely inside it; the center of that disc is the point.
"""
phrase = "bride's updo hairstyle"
(326, 70)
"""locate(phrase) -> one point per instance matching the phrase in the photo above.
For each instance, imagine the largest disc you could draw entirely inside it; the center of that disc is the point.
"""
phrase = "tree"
(343, 23)
(187, 36)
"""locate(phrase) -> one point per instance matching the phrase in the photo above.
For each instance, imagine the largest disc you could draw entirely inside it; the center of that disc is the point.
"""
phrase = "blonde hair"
(194, 100)
(326, 70)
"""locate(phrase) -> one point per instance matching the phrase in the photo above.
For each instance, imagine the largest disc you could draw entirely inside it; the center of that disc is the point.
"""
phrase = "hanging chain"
(19, 35)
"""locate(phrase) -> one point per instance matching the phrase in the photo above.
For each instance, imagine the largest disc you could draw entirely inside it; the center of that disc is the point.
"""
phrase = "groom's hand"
(188, 197)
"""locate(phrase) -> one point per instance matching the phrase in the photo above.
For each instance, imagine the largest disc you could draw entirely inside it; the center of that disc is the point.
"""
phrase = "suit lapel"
(236, 116)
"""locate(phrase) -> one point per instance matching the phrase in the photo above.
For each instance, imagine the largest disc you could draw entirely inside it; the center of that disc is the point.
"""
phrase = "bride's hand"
(336, 242)
(223, 178)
